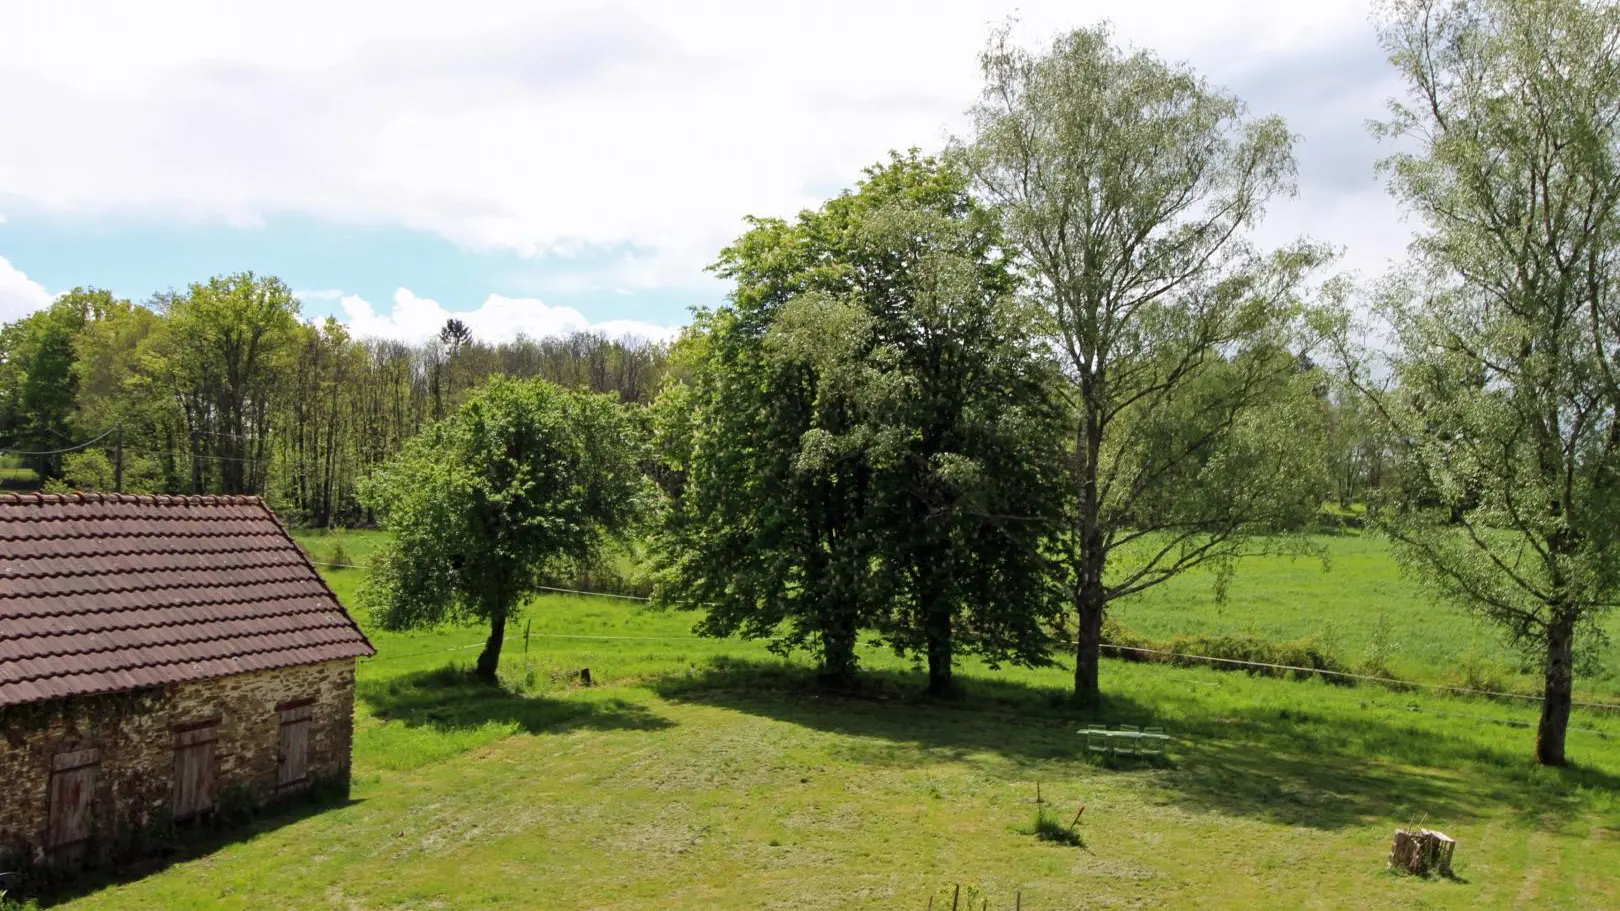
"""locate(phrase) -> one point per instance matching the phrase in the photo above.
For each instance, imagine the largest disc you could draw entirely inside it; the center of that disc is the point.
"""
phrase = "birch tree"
(1129, 188)
(1504, 406)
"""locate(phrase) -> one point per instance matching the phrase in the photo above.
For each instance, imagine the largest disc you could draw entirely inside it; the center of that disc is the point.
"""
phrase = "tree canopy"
(1128, 188)
(871, 442)
(524, 478)
(1503, 410)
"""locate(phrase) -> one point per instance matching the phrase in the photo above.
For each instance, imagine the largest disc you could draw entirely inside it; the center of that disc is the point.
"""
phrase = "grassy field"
(14, 475)
(1339, 598)
(701, 774)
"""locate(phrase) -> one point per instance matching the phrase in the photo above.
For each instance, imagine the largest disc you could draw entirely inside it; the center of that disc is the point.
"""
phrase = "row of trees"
(979, 395)
(223, 388)
(971, 403)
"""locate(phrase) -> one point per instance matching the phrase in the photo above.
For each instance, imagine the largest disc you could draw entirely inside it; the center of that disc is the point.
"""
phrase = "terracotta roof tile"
(100, 593)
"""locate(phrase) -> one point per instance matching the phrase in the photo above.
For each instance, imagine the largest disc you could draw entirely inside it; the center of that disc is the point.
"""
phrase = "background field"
(1339, 598)
(700, 774)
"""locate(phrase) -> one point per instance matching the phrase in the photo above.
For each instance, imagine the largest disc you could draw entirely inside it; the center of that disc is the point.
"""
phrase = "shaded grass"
(709, 774)
(731, 784)
(1047, 827)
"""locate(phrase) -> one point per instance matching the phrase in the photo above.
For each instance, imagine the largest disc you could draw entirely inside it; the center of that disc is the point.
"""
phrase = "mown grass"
(708, 774)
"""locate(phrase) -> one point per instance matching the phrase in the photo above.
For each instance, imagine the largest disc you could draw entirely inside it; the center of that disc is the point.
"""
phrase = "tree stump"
(1422, 852)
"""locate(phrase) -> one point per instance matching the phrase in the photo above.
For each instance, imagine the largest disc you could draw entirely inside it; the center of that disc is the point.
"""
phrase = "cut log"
(1422, 852)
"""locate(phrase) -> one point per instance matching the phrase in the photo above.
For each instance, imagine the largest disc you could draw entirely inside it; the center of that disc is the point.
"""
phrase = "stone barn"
(161, 658)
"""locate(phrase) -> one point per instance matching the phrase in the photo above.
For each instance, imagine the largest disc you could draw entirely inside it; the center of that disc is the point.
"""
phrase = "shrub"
(1381, 648)
(1186, 651)
(1477, 673)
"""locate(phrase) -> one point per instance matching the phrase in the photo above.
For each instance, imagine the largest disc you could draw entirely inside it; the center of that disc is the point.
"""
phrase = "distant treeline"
(223, 388)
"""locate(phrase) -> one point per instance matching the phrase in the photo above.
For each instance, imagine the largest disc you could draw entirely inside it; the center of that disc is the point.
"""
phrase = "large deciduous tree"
(1505, 405)
(871, 437)
(524, 478)
(1128, 187)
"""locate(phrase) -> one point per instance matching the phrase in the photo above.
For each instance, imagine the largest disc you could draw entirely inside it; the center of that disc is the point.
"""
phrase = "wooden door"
(73, 791)
(292, 766)
(194, 768)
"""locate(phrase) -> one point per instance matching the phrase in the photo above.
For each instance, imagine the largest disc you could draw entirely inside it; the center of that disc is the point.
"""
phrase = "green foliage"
(1504, 405)
(340, 555)
(224, 349)
(524, 479)
(1311, 654)
(93, 470)
(1381, 648)
(1129, 187)
(886, 447)
(38, 386)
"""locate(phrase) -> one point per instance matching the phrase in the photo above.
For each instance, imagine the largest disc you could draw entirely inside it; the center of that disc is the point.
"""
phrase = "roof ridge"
(81, 497)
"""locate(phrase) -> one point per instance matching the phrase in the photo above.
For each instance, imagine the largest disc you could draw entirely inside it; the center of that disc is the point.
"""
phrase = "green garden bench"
(1128, 740)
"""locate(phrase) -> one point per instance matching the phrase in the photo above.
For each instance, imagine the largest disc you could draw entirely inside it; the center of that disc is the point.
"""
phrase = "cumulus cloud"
(551, 129)
(19, 295)
(416, 319)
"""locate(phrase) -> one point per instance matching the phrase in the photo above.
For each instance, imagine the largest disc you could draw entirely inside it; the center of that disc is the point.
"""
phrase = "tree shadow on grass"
(1323, 770)
(451, 698)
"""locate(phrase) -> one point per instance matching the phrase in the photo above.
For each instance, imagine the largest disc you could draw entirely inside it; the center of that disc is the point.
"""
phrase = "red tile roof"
(101, 592)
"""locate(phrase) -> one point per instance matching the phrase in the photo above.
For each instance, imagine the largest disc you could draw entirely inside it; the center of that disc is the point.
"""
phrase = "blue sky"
(544, 167)
(135, 258)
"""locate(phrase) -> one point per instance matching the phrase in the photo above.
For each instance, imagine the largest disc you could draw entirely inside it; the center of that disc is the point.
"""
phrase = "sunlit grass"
(710, 774)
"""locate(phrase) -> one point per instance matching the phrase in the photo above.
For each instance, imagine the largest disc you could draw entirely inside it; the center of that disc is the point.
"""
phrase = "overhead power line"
(51, 452)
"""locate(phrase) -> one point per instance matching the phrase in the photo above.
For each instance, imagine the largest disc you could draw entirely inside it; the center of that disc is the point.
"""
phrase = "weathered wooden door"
(73, 792)
(194, 768)
(292, 768)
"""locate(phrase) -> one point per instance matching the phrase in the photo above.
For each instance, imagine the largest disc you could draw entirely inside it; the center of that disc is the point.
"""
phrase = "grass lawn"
(701, 774)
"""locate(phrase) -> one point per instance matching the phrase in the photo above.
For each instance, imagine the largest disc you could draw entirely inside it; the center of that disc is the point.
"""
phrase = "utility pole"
(118, 459)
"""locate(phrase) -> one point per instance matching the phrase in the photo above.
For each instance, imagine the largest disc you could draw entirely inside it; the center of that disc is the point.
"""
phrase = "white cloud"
(19, 295)
(499, 318)
(545, 128)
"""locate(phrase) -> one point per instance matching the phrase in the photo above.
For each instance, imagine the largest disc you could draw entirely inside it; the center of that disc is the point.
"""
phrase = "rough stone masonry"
(132, 736)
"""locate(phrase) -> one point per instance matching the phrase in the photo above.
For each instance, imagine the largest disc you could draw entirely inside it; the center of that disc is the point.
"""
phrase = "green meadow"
(707, 774)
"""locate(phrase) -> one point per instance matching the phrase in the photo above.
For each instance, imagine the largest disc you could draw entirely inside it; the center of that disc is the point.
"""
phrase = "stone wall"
(133, 733)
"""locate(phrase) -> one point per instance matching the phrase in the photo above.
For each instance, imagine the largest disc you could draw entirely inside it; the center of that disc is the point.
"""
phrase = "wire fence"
(1388, 681)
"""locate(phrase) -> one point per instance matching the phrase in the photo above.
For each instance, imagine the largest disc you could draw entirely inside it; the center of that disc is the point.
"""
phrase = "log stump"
(1422, 852)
